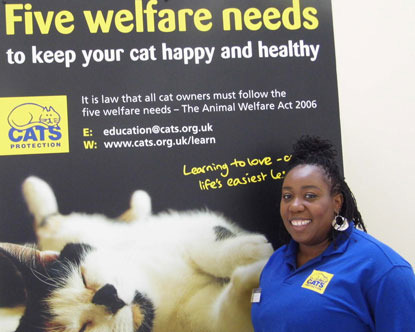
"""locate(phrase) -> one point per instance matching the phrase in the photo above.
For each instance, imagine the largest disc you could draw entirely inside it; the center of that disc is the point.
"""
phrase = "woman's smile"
(308, 206)
(300, 223)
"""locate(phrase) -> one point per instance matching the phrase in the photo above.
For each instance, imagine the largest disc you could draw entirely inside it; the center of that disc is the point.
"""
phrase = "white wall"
(375, 53)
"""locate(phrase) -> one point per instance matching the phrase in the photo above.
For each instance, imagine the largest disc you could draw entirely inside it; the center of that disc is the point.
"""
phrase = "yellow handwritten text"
(209, 184)
(233, 182)
(233, 173)
(224, 168)
(277, 175)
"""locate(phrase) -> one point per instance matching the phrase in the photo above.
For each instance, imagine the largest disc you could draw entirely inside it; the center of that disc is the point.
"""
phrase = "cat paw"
(140, 207)
(247, 276)
(253, 248)
(40, 198)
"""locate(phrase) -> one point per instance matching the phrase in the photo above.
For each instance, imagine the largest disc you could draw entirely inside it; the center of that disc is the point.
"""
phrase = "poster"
(196, 102)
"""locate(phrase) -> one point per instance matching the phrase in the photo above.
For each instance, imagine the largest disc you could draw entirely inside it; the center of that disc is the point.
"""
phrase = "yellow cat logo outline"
(29, 115)
(318, 281)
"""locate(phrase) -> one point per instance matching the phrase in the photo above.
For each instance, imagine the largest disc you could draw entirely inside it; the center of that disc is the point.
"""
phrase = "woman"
(331, 276)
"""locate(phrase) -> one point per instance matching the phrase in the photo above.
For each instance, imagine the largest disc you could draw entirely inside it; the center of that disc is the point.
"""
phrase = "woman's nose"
(296, 205)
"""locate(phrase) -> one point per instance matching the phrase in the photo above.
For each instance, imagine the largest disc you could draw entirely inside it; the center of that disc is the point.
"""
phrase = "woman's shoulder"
(371, 248)
(280, 252)
(279, 256)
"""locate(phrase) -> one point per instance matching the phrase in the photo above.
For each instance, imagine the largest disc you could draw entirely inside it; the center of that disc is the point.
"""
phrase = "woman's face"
(307, 206)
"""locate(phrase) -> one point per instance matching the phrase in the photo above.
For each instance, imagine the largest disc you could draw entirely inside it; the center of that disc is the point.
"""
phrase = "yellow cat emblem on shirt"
(318, 281)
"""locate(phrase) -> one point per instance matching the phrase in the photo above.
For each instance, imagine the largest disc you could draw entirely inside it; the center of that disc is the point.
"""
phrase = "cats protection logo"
(318, 281)
(33, 125)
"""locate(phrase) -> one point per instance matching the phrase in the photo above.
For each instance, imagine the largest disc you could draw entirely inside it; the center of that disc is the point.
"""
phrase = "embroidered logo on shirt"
(317, 281)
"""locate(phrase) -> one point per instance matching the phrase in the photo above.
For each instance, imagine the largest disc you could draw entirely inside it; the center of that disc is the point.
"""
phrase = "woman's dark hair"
(312, 150)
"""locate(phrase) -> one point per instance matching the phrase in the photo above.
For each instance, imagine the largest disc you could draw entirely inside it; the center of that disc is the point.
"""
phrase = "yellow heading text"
(145, 16)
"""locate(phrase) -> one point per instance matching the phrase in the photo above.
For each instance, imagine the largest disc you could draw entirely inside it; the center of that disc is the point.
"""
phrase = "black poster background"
(102, 180)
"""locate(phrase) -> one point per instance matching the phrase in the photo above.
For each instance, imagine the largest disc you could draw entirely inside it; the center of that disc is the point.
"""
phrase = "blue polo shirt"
(357, 284)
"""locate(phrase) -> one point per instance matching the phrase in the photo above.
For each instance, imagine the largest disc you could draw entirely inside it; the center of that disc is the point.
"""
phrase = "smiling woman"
(330, 276)
(307, 209)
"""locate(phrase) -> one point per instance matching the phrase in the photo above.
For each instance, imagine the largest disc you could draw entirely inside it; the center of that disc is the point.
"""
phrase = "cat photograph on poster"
(186, 271)
(174, 271)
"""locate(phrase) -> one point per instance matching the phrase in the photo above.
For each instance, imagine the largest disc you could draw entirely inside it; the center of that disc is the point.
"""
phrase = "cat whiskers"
(47, 280)
(56, 281)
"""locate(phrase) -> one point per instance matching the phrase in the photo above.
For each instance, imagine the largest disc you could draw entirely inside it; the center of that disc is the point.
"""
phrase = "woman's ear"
(338, 202)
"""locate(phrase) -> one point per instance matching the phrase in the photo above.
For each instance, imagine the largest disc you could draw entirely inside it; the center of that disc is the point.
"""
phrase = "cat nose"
(108, 297)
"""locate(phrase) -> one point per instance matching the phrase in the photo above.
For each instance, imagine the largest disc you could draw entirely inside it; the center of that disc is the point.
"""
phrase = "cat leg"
(221, 256)
(40, 199)
(231, 312)
(222, 308)
(54, 230)
(41, 202)
(140, 207)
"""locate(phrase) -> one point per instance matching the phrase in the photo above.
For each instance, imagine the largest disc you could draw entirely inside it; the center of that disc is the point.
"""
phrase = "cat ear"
(25, 257)
(40, 199)
(140, 207)
(33, 266)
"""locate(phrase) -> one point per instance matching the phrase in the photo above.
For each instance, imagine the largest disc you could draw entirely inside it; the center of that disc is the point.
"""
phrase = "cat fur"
(187, 271)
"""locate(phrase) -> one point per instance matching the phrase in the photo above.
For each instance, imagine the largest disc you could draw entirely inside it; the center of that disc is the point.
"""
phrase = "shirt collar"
(336, 247)
(341, 243)
(291, 253)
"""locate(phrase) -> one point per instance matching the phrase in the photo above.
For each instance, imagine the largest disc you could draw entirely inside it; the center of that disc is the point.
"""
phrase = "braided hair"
(312, 150)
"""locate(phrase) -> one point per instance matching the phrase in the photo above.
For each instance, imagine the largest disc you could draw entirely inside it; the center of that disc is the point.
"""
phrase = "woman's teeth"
(300, 222)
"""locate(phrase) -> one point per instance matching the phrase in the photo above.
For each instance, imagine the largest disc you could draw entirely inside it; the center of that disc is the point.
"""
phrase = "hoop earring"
(340, 223)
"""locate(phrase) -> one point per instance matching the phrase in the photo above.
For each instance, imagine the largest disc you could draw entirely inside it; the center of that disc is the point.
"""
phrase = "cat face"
(49, 116)
(79, 292)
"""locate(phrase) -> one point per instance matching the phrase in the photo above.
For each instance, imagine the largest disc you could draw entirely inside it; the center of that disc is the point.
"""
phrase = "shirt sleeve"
(392, 300)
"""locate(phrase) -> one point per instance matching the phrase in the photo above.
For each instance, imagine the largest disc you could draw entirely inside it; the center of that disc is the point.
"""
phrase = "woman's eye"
(286, 197)
(310, 196)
